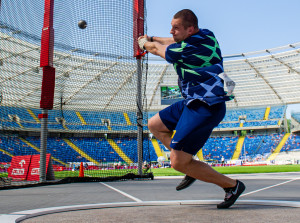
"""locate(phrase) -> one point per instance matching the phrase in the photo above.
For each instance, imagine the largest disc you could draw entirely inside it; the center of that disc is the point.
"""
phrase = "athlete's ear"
(191, 30)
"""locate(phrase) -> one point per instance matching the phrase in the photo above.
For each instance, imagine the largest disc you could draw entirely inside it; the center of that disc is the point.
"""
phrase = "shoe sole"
(229, 205)
(185, 184)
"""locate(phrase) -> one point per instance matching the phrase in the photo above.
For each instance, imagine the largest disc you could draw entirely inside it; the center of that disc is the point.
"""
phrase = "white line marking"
(13, 217)
(9, 218)
(123, 193)
(265, 188)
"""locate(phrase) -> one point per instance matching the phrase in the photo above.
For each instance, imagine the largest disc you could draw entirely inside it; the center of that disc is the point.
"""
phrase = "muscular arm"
(163, 40)
(156, 49)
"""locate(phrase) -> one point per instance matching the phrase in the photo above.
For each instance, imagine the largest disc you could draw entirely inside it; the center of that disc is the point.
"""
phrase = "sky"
(239, 25)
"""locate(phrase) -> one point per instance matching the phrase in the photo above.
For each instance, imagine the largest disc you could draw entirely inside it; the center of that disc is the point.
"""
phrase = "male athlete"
(197, 59)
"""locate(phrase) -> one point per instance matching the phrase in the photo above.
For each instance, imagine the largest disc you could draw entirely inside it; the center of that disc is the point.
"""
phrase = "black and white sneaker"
(232, 194)
(186, 182)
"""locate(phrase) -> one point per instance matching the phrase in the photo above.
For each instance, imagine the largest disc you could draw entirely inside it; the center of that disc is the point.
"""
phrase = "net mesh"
(93, 124)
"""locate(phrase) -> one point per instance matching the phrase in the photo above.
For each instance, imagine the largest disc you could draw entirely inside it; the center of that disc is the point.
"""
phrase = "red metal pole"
(46, 57)
(138, 26)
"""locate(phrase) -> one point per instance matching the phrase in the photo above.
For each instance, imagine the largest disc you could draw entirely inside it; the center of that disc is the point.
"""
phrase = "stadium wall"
(295, 126)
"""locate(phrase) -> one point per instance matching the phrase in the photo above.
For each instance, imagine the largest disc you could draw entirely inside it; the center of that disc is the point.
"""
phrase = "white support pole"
(43, 147)
(139, 118)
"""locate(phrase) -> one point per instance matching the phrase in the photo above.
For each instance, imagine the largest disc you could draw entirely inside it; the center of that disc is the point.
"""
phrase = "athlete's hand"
(145, 36)
(155, 47)
(142, 40)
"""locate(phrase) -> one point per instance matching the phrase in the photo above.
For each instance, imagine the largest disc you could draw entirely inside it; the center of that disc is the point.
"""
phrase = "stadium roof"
(268, 77)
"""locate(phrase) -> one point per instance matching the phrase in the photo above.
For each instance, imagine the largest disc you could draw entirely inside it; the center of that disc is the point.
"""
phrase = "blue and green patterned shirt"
(198, 62)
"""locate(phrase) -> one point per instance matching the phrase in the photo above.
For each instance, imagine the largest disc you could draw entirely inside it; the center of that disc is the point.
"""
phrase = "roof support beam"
(18, 54)
(262, 77)
(284, 64)
(129, 77)
(97, 76)
(37, 88)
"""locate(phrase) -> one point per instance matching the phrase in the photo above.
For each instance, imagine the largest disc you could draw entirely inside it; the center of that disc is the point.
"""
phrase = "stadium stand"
(249, 113)
(15, 146)
(260, 123)
(97, 148)
(4, 157)
(59, 149)
(257, 147)
(277, 112)
(216, 147)
(117, 121)
(292, 144)
(127, 143)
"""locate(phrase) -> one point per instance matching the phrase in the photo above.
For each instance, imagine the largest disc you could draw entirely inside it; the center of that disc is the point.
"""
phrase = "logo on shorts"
(174, 141)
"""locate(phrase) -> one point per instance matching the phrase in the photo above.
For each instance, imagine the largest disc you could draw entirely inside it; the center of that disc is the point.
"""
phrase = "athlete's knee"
(155, 125)
(179, 163)
(152, 124)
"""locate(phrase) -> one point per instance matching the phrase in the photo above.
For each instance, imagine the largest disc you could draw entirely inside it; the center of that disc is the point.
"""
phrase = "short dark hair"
(188, 18)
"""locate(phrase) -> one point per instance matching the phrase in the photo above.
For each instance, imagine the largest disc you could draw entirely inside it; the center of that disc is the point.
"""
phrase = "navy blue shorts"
(193, 123)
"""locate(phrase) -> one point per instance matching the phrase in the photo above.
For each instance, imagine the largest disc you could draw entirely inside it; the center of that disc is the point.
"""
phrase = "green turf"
(234, 170)
(93, 173)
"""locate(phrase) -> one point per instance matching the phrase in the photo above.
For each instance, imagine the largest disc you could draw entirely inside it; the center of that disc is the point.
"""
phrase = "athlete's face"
(179, 32)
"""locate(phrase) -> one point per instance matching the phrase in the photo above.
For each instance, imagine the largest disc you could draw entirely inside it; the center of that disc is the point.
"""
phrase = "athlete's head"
(184, 24)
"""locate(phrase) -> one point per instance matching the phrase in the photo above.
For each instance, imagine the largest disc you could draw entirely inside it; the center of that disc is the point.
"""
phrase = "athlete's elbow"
(155, 51)
(159, 52)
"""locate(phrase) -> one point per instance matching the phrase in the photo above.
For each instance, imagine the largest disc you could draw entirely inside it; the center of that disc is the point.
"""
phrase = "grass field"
(172, 172)
(234, 170)
(93, 173)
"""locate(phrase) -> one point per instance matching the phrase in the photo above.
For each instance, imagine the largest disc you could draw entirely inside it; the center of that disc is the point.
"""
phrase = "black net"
(93, 125)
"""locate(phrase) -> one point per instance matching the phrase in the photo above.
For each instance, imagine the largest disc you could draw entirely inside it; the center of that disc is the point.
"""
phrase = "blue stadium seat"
(15, 146)
(4, 158)
(257, 146)
(260, 123)
(87, 127)
(292, 144)
(250, 113)
(149, 153)
(22, 113)
(94, 117)
(58, 149)
(216, 147)
(228, 125)
(97, 148)
(277, 112)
